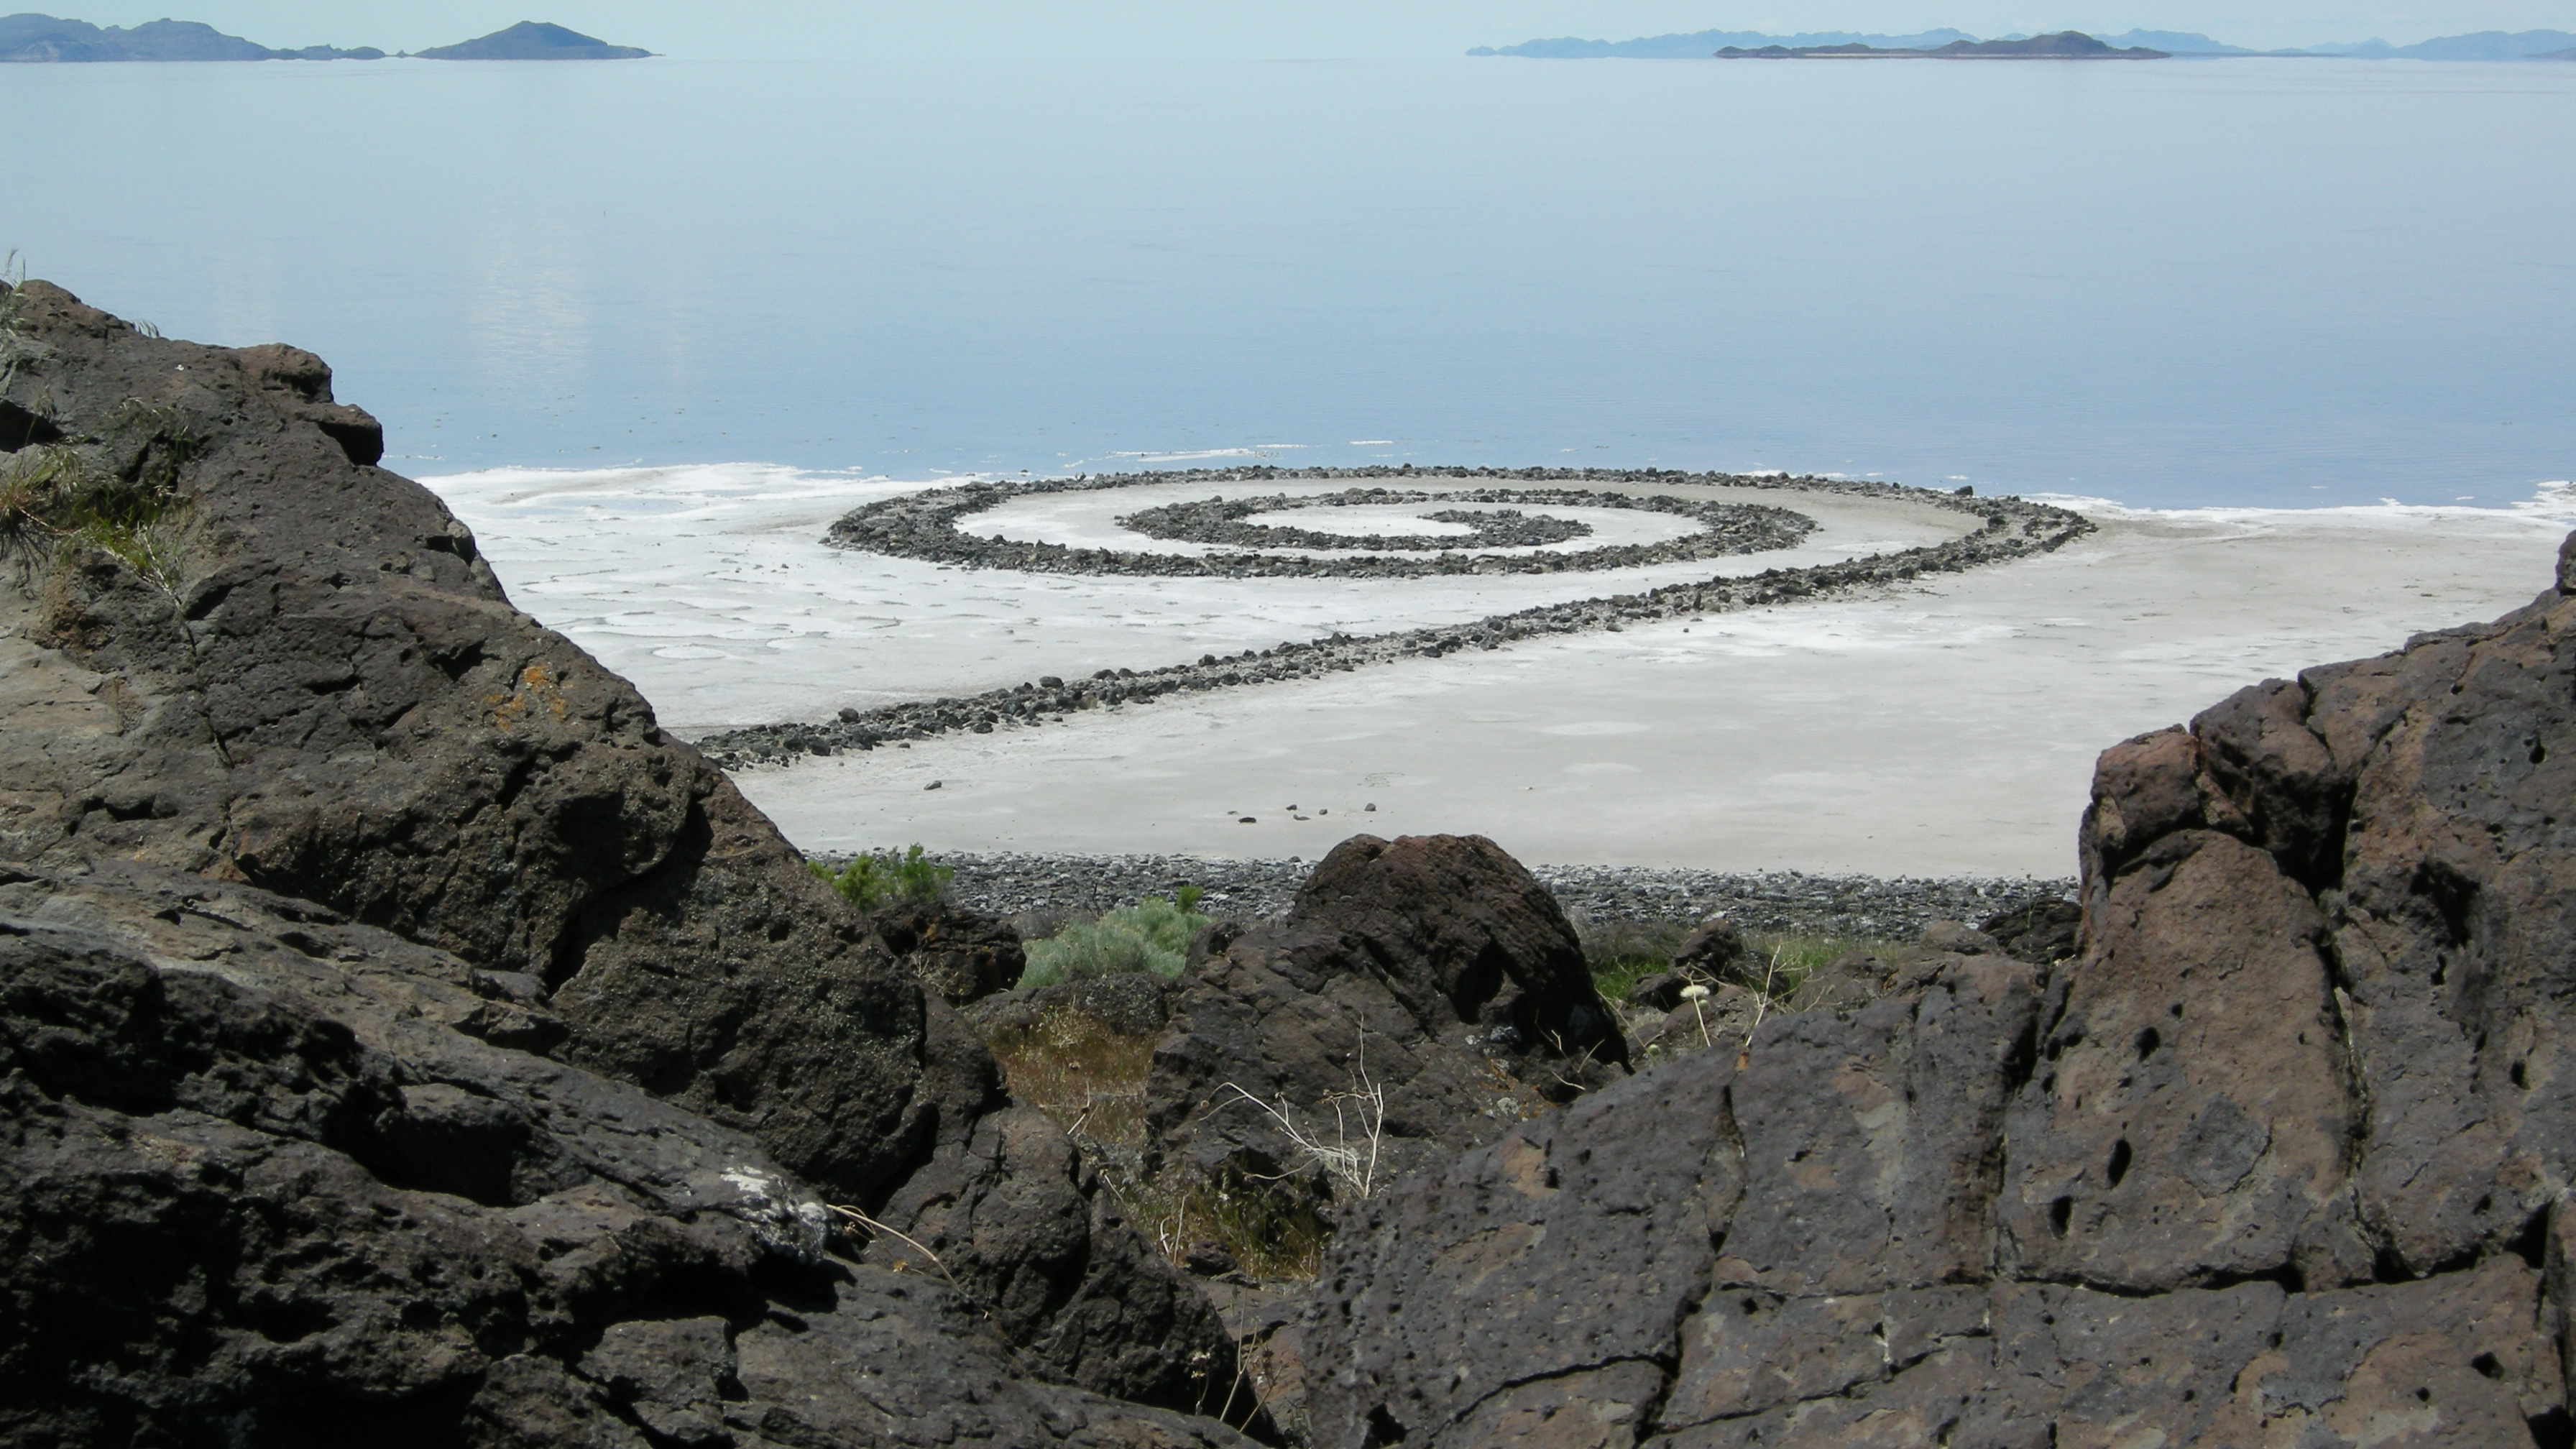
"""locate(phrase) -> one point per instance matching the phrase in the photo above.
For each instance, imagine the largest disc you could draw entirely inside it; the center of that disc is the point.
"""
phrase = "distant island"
(533, 40)
(1745, 44)
(2065, 45)
(42, 39)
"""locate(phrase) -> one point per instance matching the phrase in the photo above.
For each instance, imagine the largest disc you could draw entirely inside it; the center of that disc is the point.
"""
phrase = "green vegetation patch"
(883, 878)
(1151, 935)
(54, 500)
(1622, 953)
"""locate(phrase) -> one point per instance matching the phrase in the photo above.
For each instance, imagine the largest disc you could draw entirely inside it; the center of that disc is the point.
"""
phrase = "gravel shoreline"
(1783, 901)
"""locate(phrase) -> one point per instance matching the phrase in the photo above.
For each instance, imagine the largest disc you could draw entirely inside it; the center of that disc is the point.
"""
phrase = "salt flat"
(710, 587)
(1946, 728)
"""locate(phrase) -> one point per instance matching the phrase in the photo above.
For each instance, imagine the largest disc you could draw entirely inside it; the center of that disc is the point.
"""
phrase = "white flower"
(1694, 992)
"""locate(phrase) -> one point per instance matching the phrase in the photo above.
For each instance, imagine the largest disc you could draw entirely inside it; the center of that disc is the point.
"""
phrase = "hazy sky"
(1281, 29)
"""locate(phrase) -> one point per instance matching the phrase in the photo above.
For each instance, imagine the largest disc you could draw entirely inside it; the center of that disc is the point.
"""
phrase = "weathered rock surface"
(236, 648)
(271, 1170)
(1432, 969)
(2044, 931)
(957, 953)
(2282, 1156)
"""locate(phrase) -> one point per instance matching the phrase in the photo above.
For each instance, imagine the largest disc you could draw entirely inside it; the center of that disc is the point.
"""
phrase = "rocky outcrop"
(274, 1170)
(231, 646)
(1426, 980)
(2281, 1156)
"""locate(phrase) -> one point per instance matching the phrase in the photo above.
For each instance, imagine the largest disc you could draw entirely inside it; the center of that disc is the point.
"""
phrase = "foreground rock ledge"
(403, 1032)
(2283, 1158)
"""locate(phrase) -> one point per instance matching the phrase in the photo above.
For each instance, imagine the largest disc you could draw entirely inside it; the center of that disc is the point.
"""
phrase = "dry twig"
(1341, 1159)
(872, 1225)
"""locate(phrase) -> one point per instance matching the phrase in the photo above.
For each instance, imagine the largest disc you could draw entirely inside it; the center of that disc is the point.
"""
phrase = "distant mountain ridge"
(46, 38)
(40, 39)
(2483, 45)
(1701, 44)
(2065, 45)
(535, 40)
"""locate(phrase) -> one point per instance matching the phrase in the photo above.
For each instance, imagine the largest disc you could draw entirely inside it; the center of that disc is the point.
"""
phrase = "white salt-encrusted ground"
(710, 587)
(1948, 729)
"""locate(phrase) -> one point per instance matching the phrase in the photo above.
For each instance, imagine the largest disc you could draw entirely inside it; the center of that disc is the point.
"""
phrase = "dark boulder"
(1712, 951)
(1429, 978)
(235, 647)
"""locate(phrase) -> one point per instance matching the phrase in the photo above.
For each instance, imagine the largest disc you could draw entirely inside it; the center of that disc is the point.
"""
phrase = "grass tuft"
(1081, 1072)
(53, 499)
(882, 878)
(1269, 1233)
(1622, 953)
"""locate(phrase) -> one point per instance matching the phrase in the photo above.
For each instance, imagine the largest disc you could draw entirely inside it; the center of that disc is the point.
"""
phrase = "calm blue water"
(2173, 283)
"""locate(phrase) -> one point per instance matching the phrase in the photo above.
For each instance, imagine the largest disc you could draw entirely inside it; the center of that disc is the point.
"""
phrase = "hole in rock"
(19, 428)
(2148, 1041)
(1382, 1429)
(2119, 1165)
(2553, 1430)
(2060, 1213)
(2486, 1364)
(2521, 1075)
(2531, 1244)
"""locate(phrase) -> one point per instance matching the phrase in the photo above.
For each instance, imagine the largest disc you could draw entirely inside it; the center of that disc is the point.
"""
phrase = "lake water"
(2243, 282)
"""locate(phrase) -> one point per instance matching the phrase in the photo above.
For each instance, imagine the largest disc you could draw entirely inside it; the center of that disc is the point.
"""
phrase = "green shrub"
(1149, 936)
(883, 878)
